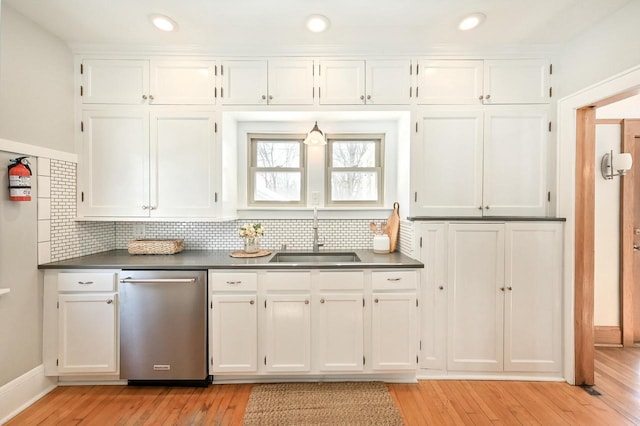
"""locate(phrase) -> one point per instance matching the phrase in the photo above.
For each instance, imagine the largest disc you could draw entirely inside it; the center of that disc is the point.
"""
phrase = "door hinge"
(82, 197)
(550, 91)
(211, 360)
(420, 242)
(215, 197)
(549, 196)
(416, 121)
(364, 360)
(313, 92)
(410, 92)
(417, 90)
(318, 92)
(265, 304)
(319, 70)
(417, 359)
(550, 69)
(212, 304)
(82, 126)
(222, 92)
(215, 92)
(57, 362)
(221, 69)
(58, 305)
(417, 69)
(215, 127)
(416, 303)
(363, 302)
(215, 70)
(415, 197)
(265, 360)
(420, 345)
(81, 69)
(81, 90)
(410, 68)
(549, 126)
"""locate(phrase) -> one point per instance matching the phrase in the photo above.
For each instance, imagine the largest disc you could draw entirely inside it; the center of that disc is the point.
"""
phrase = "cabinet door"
(342, 82)
(533, 302)
(388, 82)
(288, 332)
(114, 165)
(87, 333)
(515, 159)
(448, 163)
(115, 81)
(449, 82)
(233, 324)
(183, 159)
(476, 297)
(512, 81)
(182, 82)
(340, 332)
(244, 82)
(393, 331)
(291, 82)
(433, 302)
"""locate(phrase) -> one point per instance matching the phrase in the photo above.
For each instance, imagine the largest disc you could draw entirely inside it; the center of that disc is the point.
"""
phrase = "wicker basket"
(155, 246)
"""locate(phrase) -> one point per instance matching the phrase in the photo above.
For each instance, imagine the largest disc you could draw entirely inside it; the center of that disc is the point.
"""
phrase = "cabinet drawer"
(233, 281)
(341, 280)
(394, 280)
(295, 281)
(86, 281)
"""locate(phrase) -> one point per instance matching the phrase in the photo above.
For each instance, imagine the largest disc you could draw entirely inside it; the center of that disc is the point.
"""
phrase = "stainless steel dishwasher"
(163, 327)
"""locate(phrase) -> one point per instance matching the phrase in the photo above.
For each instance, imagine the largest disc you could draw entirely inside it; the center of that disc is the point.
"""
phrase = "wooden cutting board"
(393, 227)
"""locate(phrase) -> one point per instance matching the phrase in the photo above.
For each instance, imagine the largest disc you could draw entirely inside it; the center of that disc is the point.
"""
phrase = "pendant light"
(315, 136)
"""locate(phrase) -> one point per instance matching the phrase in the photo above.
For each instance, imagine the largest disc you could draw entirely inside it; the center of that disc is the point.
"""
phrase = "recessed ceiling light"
(471, 21)
(163, 23)
(317, 23)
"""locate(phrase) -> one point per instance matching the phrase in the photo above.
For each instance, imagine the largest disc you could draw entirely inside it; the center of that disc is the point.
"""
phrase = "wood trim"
(609, 121)
(608, 335)
(629, 185)
(584, 245)
(618, 97)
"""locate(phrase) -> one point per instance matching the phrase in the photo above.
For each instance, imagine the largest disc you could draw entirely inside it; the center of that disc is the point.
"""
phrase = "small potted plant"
(251, 234)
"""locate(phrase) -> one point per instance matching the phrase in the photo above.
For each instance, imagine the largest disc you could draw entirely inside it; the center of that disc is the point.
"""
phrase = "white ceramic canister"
(381, 243)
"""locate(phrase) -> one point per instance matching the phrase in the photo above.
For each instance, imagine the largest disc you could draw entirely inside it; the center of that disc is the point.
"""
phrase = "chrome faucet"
(316, 244)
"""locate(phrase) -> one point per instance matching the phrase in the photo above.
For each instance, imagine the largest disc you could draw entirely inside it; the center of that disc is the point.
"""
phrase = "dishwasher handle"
(130, 280)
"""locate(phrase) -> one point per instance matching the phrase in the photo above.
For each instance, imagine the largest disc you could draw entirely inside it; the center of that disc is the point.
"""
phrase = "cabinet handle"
(321, 300)
(481, 97)
(85, 282)
(394, 279)
(306, 302)
(144, 96)
(362, 98)
(150, 97)
(441, 288)
(251, 302)
(109, 301)
(234, 282)
(375, 300)
(368, 97)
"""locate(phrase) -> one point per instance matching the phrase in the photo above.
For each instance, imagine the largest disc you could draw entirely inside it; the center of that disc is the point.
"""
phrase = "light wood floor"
(428, 402)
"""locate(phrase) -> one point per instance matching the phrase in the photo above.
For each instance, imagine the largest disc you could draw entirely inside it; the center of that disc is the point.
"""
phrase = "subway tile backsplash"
(70, 238)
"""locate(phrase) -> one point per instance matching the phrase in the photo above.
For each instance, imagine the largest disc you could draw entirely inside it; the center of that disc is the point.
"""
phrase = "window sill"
(307, 213)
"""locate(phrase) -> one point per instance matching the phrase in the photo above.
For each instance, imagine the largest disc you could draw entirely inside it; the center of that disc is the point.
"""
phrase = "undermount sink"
(324, 257)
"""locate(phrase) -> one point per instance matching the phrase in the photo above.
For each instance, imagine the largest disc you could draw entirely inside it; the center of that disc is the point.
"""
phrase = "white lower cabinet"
(80, 324)
(504, 298)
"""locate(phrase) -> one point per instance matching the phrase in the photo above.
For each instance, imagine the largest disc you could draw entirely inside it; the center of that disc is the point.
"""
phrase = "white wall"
(606, 49)
(607, 232)
(36, 84)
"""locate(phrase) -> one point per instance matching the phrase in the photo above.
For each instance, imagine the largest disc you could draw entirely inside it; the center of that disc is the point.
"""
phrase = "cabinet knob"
(362, 98)
(480, 208)
(488, 96)
(441, 288)
(501, 288)
(509, 288)
(270, 97)
(321, 300)
(375, 300)
(481, 97)
(264, 97)
(150, 97)
(306, 302)
(252, 302)
(144, 96)
(486, 207)
(369, 97)
(145, 207)
(153, 207)
(109, 301)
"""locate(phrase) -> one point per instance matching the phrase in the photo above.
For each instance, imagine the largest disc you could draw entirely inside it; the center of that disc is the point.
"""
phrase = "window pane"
(354, 186)
(277, 186)
(354, 154)
(277, 154)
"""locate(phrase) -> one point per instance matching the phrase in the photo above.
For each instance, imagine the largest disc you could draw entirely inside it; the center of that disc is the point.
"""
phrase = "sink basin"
(324, 257)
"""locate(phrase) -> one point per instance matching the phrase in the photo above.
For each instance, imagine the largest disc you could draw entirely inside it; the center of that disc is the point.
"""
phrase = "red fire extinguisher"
(19, 180)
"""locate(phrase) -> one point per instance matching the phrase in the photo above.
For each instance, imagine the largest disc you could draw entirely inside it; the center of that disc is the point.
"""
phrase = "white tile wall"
(405, 243)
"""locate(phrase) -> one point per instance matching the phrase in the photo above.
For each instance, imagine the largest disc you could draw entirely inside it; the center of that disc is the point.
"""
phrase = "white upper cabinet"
(449, 82)
(155, 82)
(182, 82)
(512, 81)
(291, 82)
(262, 82)
(480, 162)
(503, 81)
(106, 81)
(244, 82)
(355, 82)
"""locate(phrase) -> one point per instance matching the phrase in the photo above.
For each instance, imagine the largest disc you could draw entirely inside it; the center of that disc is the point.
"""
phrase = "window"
(355, 173)
(276, 170)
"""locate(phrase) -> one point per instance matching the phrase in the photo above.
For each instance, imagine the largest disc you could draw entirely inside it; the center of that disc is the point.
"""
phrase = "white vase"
(251, 244)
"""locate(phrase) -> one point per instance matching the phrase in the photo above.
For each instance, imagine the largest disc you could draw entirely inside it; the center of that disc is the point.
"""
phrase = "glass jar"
(251, 244)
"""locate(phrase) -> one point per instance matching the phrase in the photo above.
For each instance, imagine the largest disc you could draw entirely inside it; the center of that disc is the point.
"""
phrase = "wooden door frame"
(630, 130)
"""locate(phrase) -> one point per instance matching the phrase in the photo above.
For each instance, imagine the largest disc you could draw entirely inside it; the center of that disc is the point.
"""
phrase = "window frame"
(252, 139)
(378, 138)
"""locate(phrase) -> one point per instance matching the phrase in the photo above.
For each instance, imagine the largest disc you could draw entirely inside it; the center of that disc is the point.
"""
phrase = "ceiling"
(278, 25)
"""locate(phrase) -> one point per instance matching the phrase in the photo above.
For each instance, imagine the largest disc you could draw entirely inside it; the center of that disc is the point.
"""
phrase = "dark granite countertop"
(220, 259)
(489, 218)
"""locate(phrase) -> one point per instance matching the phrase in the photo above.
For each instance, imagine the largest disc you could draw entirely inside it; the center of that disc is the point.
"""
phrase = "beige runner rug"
(342, 403)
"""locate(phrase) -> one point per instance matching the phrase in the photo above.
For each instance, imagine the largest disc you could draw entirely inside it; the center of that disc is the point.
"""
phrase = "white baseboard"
(23, 391)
